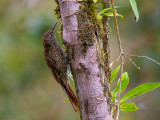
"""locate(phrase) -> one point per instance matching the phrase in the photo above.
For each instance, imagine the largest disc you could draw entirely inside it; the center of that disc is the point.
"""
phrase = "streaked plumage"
(56, 61)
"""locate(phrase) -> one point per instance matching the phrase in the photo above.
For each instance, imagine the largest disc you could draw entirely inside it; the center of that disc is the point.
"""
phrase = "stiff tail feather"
(72, 97)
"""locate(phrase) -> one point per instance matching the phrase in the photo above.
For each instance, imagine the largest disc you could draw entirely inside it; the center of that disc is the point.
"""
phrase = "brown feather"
(56, 61)
(72, 97)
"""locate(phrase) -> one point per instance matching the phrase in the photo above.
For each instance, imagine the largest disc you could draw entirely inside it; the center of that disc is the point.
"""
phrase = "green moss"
(88, 24)
(57, 11)
(86, 35)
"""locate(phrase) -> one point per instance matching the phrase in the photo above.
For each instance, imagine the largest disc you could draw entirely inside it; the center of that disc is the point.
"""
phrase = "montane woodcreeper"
(57, 62)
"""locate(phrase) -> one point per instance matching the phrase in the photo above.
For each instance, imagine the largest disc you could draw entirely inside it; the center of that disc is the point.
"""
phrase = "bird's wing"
(57, 58)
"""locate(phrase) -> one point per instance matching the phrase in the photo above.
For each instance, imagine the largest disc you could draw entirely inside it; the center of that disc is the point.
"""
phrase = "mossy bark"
(83, 38)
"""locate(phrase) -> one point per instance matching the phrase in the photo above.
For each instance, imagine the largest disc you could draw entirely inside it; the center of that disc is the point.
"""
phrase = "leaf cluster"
(141, 89)
(109, 11)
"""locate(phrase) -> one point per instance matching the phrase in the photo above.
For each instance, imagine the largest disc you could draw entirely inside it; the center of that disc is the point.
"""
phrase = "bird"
(56, 60)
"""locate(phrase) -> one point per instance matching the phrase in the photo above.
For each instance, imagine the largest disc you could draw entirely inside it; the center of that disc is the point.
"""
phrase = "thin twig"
(121, 58)
(142, 57)
(117, 59)
(132, 62)
(114, 61)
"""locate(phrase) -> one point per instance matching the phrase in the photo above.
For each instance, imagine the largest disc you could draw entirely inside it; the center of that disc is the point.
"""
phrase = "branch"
(143, 57)
(132, 62)
(79, 38)
(121, 58)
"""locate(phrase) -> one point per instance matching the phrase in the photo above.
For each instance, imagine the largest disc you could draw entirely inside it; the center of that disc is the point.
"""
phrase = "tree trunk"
(82, 36)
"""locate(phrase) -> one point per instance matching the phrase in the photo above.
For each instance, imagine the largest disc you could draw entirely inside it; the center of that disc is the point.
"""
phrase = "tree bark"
(82, 40)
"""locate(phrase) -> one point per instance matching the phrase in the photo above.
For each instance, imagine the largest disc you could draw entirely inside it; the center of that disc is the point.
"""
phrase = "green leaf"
(111, 14)
(71, 76)
(102, 7)
(125, 81)
(124, 84)
(66, 100)
(139, 90)
(107, 9)
(93, 6)
(96, 1)
(99, 16)
(128, 106)
(114, 73)
(134, 8)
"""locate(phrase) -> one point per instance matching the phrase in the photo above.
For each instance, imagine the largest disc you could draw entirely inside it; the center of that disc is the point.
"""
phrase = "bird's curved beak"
(54, 26)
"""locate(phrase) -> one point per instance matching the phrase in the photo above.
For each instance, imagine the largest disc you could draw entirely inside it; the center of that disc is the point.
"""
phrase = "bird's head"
(49, 36)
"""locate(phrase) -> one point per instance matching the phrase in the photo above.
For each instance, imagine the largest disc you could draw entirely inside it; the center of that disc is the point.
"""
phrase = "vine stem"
(121, 58)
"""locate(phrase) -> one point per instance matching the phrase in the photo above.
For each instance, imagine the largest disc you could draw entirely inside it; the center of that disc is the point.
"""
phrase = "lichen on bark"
(82, 37)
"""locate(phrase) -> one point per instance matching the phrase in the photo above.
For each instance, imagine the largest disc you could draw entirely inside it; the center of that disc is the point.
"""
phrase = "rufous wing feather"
(72, 97)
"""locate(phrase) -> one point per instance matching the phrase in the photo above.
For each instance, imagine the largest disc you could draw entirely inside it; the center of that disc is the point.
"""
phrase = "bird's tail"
(72, 97)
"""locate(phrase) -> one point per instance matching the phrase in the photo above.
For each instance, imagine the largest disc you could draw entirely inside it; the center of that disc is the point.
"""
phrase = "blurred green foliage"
(27, 88)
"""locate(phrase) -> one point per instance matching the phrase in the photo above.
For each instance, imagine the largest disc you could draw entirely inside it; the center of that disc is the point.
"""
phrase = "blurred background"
(27, 88)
